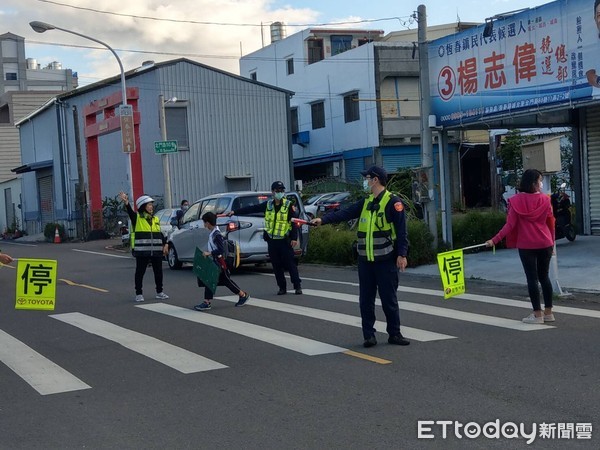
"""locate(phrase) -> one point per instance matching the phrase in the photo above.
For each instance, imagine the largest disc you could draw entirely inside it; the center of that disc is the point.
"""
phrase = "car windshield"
(313, 199)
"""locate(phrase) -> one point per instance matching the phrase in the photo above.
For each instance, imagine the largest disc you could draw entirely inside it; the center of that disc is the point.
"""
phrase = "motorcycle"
(124, 232)
(561, 207)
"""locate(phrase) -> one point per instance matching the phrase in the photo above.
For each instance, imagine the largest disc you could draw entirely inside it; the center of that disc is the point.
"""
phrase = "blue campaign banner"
(543, 56)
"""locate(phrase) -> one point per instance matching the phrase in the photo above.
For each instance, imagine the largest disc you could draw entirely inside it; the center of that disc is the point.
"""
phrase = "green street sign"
(161, 147)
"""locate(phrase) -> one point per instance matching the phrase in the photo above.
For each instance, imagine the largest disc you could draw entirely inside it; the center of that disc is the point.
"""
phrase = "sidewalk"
(578, 265)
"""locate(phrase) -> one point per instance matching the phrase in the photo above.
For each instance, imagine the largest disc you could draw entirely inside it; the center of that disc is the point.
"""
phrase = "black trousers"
(141, 262)
(282, 259)
(536, 264)
(379, 276)
(224, 280)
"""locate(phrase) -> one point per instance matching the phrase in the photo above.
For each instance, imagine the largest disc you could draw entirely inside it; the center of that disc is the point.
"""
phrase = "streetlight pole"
(165, 156)
(41, 27)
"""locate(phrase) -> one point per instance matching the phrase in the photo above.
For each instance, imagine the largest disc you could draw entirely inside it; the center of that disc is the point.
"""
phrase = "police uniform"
(279, 232)
(382, 237)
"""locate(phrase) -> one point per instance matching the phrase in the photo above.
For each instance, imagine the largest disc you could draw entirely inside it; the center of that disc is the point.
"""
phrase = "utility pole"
(165, 157)
(426, 138)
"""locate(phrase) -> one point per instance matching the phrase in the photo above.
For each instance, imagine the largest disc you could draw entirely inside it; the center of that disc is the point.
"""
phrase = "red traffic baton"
(302, 222)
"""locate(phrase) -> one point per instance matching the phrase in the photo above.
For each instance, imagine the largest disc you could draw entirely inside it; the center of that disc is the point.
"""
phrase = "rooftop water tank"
(32, 63)
(277, 31)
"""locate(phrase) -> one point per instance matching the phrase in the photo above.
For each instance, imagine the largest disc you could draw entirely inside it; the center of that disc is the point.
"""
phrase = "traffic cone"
(56, 236)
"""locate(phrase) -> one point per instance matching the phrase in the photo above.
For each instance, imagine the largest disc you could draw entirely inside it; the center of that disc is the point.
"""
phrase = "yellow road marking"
(367, 357)
(72, 283)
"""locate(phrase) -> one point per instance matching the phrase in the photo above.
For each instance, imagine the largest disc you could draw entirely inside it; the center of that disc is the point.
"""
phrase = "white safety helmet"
(143, 200)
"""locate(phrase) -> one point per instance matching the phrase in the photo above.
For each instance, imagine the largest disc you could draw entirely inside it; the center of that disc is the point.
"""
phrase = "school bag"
(231, 253)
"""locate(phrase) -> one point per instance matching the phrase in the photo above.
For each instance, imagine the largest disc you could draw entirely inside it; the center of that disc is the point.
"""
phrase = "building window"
(351, 112)
(294, 119)
(317, 111)
(340, 44)
(11, 76)
(290, 65)
(177, 124)
(315, 50)
(253, 76)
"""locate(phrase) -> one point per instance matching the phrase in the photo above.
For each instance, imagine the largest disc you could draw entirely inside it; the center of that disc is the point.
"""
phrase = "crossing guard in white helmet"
(148, 244)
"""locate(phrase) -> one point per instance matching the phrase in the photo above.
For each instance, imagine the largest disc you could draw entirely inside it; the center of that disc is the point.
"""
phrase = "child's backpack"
(231, 253)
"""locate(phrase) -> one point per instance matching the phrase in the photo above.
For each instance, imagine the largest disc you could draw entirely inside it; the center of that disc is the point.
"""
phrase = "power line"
(403, 20)
(337, 60)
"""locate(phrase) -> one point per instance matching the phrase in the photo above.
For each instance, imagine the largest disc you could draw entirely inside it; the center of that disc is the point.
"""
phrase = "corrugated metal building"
(232, 134)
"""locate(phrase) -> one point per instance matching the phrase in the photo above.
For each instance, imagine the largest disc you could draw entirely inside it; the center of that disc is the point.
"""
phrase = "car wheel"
(570, 233)
(172, 260)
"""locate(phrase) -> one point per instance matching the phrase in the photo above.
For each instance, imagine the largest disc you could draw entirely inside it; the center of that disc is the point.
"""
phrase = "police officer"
(382, 249)
(281, 235)
(148, 244)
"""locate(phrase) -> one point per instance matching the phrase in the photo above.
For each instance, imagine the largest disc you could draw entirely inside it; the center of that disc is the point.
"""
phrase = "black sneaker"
(243, 299)
(371, 342)
(282, 292)
(298, 291)
(398, 340)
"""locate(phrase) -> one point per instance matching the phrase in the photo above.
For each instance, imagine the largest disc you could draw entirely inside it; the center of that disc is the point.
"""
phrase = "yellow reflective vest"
(146, 239)
(376, 236)
(277, 225)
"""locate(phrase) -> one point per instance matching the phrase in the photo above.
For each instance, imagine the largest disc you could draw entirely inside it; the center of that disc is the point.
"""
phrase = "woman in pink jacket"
(530, 228)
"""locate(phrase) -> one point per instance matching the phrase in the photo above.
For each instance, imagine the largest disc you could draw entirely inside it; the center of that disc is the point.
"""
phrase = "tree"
(512, 158)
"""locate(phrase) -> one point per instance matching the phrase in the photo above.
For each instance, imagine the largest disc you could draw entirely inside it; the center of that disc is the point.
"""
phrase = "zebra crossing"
(46, 377)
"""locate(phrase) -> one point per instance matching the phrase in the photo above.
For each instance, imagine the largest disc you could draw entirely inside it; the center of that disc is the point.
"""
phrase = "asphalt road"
(285, 372)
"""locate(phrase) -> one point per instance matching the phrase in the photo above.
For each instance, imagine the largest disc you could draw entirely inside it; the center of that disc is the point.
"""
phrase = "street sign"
(161, 147)
(127, 127)
(36, 284)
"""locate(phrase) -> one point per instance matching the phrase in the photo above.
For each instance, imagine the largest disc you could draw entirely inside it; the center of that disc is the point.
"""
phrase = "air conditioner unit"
(301, 138)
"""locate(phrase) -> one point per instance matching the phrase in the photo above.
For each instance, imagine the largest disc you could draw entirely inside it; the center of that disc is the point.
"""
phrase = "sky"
(212, 32)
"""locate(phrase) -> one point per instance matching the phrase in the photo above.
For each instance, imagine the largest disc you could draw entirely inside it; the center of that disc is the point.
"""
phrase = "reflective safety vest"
(376, 236)
(277, 225)
(146, 239)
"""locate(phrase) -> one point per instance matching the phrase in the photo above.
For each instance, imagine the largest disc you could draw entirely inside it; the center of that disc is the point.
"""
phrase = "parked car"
(334, 203)
(246, 230)
(165, 216)
(311, 205)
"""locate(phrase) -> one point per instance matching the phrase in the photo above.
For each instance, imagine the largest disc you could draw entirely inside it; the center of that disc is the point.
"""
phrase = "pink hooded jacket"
(529, 224)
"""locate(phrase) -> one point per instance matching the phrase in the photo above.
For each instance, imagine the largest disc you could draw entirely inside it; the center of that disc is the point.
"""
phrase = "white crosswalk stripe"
(175, 357)
(440, 312)
(286, 340)
(41, 373)
(570, 310)
(46, 377)
(344, 319)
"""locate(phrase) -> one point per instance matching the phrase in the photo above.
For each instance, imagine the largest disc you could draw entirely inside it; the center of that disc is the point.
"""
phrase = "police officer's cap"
(376, 171)
(277, 185)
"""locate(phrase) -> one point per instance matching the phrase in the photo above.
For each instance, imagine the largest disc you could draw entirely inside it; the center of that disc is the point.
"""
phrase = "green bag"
(206, 270)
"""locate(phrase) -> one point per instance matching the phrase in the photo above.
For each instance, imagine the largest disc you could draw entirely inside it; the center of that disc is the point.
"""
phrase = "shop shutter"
(354, 167)
(593, 166)
(46, 200)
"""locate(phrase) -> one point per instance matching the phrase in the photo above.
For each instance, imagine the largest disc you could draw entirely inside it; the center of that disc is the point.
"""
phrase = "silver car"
(246, 230)
(165, 216)
(311, 205)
